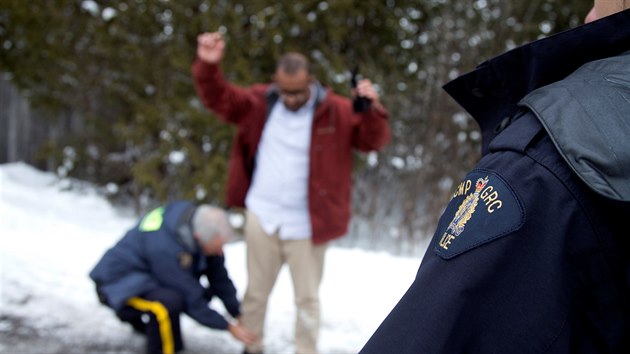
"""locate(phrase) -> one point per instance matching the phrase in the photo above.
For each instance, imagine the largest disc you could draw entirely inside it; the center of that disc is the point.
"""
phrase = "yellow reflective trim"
(164, 321)
(153, 220)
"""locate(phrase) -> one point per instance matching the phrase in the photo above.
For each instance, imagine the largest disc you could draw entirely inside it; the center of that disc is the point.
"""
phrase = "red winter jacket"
(336, 131)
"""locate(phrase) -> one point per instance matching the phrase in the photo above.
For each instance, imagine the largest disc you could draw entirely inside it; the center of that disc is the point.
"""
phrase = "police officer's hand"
(241, 333)
(210, 47)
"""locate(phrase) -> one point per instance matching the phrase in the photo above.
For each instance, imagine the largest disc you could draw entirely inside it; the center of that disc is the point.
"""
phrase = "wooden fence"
(24, 131)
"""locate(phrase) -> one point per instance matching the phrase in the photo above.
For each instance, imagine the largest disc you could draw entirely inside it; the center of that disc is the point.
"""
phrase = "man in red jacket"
(290, 168)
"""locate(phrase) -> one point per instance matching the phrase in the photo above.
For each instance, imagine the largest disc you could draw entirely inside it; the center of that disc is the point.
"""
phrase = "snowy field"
(51, 238)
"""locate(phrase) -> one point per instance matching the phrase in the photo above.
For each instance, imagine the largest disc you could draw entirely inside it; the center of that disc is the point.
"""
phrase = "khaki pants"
(265, 256)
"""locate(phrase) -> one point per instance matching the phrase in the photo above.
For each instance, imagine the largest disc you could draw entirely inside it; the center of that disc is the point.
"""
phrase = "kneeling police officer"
(153, 274)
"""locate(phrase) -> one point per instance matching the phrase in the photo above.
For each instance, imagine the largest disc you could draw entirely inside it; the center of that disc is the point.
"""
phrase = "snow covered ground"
(52, 237)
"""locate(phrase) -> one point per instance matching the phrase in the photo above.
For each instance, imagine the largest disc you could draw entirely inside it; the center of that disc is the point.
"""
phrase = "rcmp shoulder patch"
(483, 208)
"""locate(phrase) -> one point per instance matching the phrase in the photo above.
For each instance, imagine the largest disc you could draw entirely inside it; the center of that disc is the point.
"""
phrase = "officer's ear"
(201, 240)
(212, 246)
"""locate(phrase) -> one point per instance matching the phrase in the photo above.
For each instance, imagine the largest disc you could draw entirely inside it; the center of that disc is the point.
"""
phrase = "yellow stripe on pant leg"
(164, 321)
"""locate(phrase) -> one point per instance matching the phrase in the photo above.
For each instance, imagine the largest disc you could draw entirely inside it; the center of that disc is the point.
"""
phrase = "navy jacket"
(531, 254)
(160, 252)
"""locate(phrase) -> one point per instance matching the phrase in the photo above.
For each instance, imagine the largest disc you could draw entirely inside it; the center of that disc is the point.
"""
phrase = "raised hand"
(210, 47)
(366, 89)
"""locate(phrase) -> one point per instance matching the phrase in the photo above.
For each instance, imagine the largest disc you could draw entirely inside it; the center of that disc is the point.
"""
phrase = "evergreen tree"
(123, 66)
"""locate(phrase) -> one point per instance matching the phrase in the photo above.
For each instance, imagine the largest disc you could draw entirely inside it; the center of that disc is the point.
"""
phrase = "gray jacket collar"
(584, 108)
(587, 116)
(273, 95)
(184, 232)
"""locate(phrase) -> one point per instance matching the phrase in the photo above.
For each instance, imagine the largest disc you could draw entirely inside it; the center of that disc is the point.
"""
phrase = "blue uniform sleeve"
(221, 285)
(178, 273)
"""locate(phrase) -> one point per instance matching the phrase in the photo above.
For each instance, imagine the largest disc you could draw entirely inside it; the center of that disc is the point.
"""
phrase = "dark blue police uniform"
(153, 274)
(532, 253)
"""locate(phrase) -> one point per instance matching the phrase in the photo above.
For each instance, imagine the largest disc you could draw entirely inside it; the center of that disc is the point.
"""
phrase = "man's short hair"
(293, 62)
(208, 222)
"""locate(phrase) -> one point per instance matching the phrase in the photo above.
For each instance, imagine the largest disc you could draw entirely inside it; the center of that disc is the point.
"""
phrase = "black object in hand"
(359, 103)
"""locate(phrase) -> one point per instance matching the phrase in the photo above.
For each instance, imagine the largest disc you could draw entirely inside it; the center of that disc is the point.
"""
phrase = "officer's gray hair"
(209, 222)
